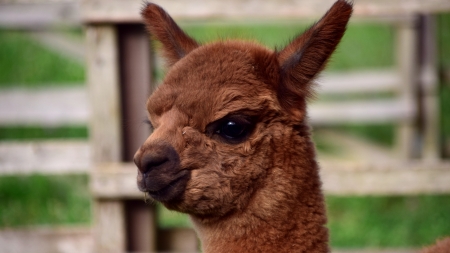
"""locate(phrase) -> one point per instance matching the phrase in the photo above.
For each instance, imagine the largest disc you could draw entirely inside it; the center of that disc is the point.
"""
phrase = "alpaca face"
(212, 120)
(226, 113)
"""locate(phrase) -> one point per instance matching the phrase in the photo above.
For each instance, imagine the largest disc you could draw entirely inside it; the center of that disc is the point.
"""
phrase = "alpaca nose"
(160, 157)
(160, 172)
(153, 162)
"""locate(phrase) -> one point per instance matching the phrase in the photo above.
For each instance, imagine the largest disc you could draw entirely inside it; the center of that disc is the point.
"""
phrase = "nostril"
(151, 162)
(159, 160)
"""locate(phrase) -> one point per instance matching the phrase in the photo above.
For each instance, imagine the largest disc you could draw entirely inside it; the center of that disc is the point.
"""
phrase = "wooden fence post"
(136, 85)
(406, 49)
(104, 130)
(429, 88)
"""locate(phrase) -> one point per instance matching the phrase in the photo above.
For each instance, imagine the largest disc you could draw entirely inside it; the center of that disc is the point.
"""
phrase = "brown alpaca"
(231, 145)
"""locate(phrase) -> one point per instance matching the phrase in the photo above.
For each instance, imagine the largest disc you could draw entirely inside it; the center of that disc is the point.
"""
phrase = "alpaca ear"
(176, 44)
(307, 55)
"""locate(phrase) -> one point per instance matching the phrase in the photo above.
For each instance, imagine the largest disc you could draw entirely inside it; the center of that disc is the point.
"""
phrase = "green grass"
(388, 221)
(325, 146)
(444, 90)
(443, 21)
(38, 133)
(444, 95)
(363, 46)
(171, 219)
(383, 134)
(44, 200)
(26, 63)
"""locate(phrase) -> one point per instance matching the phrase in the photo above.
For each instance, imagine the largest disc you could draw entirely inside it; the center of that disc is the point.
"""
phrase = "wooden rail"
(48, 157)
(45, 107)
(117, 181)
(119, 11)
(47, 239)
(361, 81)
(371, 111)
(70, 106)
(32, 15)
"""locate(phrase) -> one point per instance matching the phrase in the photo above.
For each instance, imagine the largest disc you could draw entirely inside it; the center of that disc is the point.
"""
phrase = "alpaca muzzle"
(159, 172)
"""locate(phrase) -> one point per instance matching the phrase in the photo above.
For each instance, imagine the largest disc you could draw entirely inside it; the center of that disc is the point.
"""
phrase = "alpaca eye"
(147, 122)
(232, 130)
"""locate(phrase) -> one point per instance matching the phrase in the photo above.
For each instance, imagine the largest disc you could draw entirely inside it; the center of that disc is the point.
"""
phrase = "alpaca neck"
(287, 215)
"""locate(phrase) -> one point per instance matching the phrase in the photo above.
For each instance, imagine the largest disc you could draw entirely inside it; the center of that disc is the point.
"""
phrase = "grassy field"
(44, 200)
(354, 221)
(25, 63)
(374, 42)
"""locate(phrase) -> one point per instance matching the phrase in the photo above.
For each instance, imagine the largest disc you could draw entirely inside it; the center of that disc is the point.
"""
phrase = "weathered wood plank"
(365, 178)
(407, 53)
(115, 181)
(378, 111)
(38, 15)
(105, 130)
(103, 83)
(47, 239)
(45, 107)
(109, 227)
(48, 157)
(365, 81)
(398, 178)
(119, 11)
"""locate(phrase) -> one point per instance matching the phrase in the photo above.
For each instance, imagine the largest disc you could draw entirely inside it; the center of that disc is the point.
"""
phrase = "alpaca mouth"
(166, 190)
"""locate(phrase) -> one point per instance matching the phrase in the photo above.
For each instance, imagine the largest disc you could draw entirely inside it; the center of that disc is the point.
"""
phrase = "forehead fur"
(216, 79)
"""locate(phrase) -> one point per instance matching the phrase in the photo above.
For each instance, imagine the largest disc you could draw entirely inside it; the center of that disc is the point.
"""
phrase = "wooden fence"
(117, 40)
(116, 92)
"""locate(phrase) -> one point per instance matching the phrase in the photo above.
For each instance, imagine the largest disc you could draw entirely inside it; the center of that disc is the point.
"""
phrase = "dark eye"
(232, 129)
(146, 121)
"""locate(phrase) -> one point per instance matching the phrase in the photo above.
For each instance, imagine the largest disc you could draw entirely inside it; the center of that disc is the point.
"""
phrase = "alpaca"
(231, 145)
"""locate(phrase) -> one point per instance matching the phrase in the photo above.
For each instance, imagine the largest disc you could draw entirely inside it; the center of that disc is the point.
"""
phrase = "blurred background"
(383, 105)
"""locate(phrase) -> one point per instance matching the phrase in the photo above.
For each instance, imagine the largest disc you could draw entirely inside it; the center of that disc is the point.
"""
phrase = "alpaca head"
(225, 114)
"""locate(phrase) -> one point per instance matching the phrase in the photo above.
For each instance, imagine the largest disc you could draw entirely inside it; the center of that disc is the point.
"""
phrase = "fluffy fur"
(231, 145)
(441, 246)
